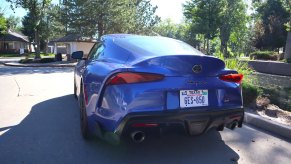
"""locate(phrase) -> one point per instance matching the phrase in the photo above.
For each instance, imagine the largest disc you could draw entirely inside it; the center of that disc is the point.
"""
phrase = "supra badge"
(197, 68)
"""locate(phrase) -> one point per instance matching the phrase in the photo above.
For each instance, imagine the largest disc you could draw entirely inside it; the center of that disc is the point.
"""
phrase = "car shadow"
(50, 133)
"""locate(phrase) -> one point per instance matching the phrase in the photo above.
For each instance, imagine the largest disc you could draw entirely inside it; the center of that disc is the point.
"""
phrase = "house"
(13, 42)
(72, 43)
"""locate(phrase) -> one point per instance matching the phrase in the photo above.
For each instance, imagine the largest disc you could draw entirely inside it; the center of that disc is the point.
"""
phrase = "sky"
(170, 9)
(166, 9)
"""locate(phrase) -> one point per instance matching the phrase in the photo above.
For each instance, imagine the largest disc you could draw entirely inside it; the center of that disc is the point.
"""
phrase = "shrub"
(250, 93)
(281, 56)
(263, 55)
(288, 60)
(47, 60)
(25, 61)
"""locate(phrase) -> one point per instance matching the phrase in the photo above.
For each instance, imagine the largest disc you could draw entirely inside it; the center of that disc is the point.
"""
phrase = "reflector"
(144, 125)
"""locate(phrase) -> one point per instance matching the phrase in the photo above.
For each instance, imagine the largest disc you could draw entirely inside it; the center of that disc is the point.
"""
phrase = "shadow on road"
(51, 134)
(6, 70)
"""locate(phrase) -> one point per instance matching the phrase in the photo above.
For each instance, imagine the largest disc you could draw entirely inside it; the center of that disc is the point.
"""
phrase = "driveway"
(39, 123)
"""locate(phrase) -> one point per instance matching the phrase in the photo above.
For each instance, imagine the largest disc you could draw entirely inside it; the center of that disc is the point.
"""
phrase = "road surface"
(39, 123)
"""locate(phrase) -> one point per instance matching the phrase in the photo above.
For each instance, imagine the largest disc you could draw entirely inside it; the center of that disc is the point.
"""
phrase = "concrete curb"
(40, 65)
(271, 126)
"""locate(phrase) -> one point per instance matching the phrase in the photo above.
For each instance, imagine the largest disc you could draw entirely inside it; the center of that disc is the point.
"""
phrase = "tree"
(3, 24)
(177, 31)
(36, 9)
(144, 18)
(270, 32)
(13, 23)
(28, 28)
(51, 26)
(204, 17)
(234, 24)
(287, 6)
(99, 17)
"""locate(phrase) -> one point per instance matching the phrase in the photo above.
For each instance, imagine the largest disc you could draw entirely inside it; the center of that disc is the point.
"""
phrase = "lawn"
(30, 55)
(9, 55)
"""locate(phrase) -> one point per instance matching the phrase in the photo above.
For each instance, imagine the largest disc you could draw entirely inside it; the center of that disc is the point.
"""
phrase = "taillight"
(236, 78)
(130, 77)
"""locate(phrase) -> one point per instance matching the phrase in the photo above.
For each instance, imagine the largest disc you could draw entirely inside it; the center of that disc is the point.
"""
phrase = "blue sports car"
(131, 86)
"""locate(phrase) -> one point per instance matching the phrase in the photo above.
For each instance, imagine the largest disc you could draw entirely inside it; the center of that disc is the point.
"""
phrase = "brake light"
(236, 78)
(130, 77)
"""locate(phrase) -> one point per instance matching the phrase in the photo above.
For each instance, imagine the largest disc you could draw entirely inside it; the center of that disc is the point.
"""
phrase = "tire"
(83, 117)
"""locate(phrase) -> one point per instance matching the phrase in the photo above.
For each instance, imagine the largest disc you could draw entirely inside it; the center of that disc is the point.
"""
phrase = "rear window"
(157, 46)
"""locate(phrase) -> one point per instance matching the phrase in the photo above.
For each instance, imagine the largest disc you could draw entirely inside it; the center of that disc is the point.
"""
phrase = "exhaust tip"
(138, 136)
(232, 125)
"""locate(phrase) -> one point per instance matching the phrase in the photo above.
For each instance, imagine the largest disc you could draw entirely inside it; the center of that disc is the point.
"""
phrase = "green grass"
(41, 55)
(30, 55)
(9, 55)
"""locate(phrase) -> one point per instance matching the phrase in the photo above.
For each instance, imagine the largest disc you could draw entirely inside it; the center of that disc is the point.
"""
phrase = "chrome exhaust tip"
(138, 136)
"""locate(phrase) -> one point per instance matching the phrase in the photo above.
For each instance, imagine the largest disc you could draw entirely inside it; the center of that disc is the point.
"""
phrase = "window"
(96, 51)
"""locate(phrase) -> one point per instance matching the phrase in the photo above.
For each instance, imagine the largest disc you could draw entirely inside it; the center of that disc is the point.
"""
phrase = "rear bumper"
(190, 122)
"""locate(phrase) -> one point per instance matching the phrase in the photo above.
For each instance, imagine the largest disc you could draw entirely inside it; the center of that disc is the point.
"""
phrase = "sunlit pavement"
(39, 123)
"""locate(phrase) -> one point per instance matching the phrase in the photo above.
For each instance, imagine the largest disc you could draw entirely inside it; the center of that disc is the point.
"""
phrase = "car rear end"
(188, 93)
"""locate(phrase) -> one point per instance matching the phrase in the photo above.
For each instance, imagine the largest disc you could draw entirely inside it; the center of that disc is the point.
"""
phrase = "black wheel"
(83, 117)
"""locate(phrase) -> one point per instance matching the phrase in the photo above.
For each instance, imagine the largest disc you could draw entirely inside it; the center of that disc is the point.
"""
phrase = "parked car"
(133, 86)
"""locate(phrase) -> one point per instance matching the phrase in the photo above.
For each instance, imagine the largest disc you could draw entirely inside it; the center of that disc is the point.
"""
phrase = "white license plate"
(193, 98)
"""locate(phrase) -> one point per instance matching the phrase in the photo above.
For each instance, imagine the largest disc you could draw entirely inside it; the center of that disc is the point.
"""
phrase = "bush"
(25, 61)
(250, 93)
(288, 60)
(263, 55)
(47, 60)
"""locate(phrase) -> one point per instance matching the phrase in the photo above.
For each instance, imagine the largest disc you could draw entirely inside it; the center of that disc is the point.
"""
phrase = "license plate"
(193, 98)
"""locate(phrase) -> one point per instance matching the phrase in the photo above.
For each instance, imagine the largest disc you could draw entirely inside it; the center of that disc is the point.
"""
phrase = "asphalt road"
(39, 123)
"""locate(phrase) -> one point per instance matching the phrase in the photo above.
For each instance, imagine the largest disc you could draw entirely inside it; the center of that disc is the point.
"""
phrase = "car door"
(92, 69)
(82, 64)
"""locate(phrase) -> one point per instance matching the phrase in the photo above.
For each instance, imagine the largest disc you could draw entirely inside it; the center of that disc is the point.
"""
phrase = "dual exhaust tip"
(232, 125)
(138, 136)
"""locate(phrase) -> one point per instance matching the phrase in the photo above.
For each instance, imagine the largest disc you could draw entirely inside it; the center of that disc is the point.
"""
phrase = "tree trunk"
(29, 47)
(223, 48)
(208, 45)
(204, 46)
(45, 47)
(37, 43)
(288, 47)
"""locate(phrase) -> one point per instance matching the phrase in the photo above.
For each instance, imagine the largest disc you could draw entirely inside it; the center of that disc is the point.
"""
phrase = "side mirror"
(77, 55)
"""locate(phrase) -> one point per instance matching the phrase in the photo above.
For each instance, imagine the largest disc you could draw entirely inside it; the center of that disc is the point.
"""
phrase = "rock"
(262, 102)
